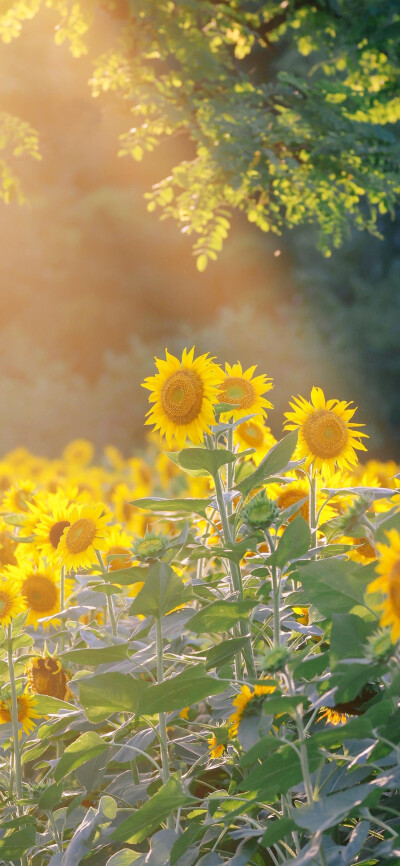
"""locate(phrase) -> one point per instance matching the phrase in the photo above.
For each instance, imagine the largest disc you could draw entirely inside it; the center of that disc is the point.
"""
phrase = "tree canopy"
(314, 142)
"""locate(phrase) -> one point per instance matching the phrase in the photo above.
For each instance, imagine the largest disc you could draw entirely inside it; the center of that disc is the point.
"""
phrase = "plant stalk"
(162, 716)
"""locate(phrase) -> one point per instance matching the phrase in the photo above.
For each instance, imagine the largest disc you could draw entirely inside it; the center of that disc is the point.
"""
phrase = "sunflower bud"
(261, 512)
(151, 546)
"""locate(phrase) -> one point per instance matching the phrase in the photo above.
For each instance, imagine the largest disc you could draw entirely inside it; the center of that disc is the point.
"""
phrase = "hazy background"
(93, 286)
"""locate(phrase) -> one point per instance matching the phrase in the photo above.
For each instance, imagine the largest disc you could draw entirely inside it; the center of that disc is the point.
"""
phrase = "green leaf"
(127, 576)
(349, 635)
(173, 506)
(46, 705)
(148, 817)
(50, 797)
(283, 704)
(123, 858)
(206, 459)
(109, 693)
(279, 772)
(190, 835)
(275, 462)
(334, 586)
(87, 746)
(293, 543)
(182, 690)
(277, 830)
(330, 810)
(350, 679)
(224, 652)
(96, 655)
(12, 847)
(220, 616)
(163, 590)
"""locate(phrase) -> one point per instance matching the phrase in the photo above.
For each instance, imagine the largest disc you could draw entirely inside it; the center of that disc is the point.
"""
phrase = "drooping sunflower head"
(46, 676)
(248, 703)
(11, 601)
(84, 535)
(327, 437)
(244, 392)
(27, 714)
(183, 393)
(388, 582)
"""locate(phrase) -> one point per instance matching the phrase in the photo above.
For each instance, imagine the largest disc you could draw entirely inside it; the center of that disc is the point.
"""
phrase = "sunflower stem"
(303, 754)
(276, 595)
(62, 602)
(162, 716)
(14, 721)
(235, 573)
(313, 509)
(110, 603)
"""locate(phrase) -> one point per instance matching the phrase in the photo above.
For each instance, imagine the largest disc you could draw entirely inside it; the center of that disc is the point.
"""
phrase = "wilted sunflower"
(244, 391)
(326, 435)
(26, 712)
(85, 535)
(46, 676)
(11, 602)
(388, 582)
(248, 696)
(183, 393)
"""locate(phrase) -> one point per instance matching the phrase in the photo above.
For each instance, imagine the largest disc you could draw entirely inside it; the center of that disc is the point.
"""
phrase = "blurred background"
(93, 286)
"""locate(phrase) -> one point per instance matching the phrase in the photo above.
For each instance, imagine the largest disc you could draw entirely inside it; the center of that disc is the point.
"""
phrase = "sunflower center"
(5, 603)
(80, 535)
(325, 434)
(394, 587)
(56, 532)
(182, 396)
(251, 433)
(238, 391)
(40, 592)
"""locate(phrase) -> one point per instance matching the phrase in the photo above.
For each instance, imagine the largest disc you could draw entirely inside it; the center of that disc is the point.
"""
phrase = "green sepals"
(260, 512)
(275, 659)
(151, 546)
(379, 645)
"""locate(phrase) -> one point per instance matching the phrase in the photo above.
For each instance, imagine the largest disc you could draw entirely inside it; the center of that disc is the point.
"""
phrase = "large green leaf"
(141, 824)
(220, 616)
(173, 506)
(182, 690)
(96, 655)
(279, 772)
(349, 635)
(277, 830)
(333, 585)
(87, 746)
(109, 693)
(127, 576)
(275, 462)
(328, 811)
(205, 459)
(293, 543)
(46, 705)
(224, 652)
(12, 847)
(163, 590)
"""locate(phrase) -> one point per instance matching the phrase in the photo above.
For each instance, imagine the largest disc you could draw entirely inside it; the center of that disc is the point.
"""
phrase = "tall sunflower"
(388, 582)
(252, 434)
(327, 437)
(183, 393)
(85, 534)
(39, 588)
(244, 391)
(27, 714)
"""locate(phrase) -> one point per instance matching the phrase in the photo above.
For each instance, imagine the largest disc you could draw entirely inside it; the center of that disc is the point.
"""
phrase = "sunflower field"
(199, 658)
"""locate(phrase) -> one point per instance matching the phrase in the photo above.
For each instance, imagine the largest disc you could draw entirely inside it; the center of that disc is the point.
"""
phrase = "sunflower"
(333, 717)
(17, 498)
(245, 697)
(46, 676)
(252, 434)
(85, 535)
(79, 452)
(8, 547)
(48, 525)
(11, 603)
(40, 590)
(388, 582)
(117, 551)
(245, 392)
(183, 393)
(218, 741)
(326, 435)
(26, 712)
(290, 494)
